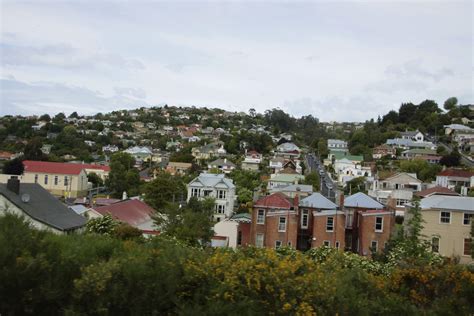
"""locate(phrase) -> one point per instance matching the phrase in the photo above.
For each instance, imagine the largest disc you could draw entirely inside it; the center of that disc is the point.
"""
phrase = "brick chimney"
(341, 200)
(296, 201)
(391, 204)
(13, 185)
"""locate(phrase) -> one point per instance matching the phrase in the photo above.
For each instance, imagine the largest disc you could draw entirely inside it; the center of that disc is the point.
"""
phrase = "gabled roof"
(43, 207)
(456, 173)
(436, 191)
(222, 162)
(60, 167)
(400, 174)
(361, 200)
(211, 180)
(317, 200)
(133, 212)
(458, 203)
(276, 200)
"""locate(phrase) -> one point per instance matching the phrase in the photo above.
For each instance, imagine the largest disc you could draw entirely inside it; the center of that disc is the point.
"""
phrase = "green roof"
(338, 155)
(421, 151)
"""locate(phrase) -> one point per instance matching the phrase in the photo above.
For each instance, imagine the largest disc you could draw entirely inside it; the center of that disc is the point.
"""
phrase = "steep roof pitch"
(361, 200)
(276, 200)
(43, 207)
(317, 200)
(133, 212)
(59, 167)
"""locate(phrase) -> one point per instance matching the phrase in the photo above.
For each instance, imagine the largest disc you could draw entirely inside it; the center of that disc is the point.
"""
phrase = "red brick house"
(274, 221)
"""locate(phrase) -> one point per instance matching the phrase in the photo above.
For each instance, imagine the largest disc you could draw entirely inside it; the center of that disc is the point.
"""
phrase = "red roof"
(456, 173)
(133, 212)
(59, 167)
(436, 191)
(275, 200)
(6, 155)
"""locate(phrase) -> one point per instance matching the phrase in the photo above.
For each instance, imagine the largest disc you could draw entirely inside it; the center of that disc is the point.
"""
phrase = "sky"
(335, 60)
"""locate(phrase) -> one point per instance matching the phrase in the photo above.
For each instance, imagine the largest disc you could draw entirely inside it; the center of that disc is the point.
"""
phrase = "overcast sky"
(343, 61)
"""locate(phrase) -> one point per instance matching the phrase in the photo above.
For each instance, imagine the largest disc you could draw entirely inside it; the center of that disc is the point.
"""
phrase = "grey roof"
(242, 217)
(212, 180)
(222, 162)
(408, 143)
(458, 203)
(296, 188)
(317, 200)
(44, 207)
(79, 208)
(362, 200)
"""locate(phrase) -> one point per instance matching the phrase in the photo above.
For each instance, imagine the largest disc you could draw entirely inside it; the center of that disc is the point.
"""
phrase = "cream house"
(448, 225)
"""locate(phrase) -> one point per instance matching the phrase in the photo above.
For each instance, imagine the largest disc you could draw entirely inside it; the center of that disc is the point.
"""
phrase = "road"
(465, 160)
(327, 185)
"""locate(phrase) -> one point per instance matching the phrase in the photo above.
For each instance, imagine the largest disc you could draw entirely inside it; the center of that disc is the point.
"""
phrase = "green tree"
(14, 166)
(423, 169)
(191, 223)
(33, 149)
(123, 177)
(355, 185)
(450, 103)
(314, 180)
(95, 180)
(164, 189)
(104, 225)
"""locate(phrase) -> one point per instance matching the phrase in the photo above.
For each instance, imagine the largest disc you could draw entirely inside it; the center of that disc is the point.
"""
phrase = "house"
(303, 190)
(337, 145)
(140, 153)
(400, 187)
(409, 143)
(320, 223)
(384, 151)
(224, 165)
(233, 232)
(5, 155)
(428, 155)
(136, 213)
(288, 151)
(283, 180)
(39, 207)
(110, 149)
(450, 129)
(218, 187)
(60, 179)
(368, 224)
(208, 151)
(46, 149)
(456, 178)
(447, 224)
(436, 191)
(276, 164)
(274, 221)
(252, 161)
(415, 136)
(178, 168)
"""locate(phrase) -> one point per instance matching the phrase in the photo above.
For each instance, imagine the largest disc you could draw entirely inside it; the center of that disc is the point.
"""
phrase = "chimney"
(124, 195)
(341, 201)
(391, 203)
(13, 185)
(296, 201)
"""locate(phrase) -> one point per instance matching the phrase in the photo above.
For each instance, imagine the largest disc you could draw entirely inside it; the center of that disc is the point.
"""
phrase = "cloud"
(62, 55)
(133, 92)
(415, 69)
(18, 97)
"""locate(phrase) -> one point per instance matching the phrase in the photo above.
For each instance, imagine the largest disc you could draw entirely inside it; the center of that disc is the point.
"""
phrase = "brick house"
(275, 221)
(319, 222)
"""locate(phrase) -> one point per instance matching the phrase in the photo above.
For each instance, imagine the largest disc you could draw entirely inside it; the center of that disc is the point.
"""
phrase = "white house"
(337, 145)
(218, 187)
(415, 136)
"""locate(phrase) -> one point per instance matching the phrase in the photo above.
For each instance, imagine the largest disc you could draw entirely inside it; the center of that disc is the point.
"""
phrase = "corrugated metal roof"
(317, 200)
(361, 200)
(459, 203)
(211, 180)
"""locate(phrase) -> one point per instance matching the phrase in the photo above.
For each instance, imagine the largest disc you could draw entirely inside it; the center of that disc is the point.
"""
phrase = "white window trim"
(263, 221)
(279, 230)
(440, 212)
(327, 220)
(472, 218)
(302, 216)
(375, 225)
(263, 241)
(328, 242)
(278, 246)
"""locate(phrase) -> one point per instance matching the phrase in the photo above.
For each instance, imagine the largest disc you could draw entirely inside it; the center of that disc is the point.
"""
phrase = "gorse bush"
(92, 274)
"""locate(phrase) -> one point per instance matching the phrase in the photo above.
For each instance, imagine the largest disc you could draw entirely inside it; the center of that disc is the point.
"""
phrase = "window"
(195, 192)
(435, 244)
(304, 218)
(261, 217)
(374, 245)
(221, 194)
(445, 217)
(337, 245)
(46, 179)
(55, 180)
(327, 243)
(207, 192)
(220, 209)
(66, 179)
(467, 246)
(277, 244)
(330, 224)
(349, 219)
(259, 240)
(289, 243)
(379, 224)
(282, 224)
(36, 178)
(239, 238)
(467, 219)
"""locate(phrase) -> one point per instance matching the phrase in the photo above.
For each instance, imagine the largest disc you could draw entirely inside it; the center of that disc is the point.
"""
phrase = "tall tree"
(14, 166)
(164, 189)
(123, 177)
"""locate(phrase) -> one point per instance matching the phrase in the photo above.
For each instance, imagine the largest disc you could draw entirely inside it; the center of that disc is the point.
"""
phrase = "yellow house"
(448, 225)
(60, 179)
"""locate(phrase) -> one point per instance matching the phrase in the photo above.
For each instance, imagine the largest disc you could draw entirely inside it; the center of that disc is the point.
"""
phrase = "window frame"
(332, 224)
(464, 247)
(262, 217)
(280, 230)
(380, 230)
(441, 217)
(45, 179)
(376, 248)
(433, 244)
(469, 219)
(257, 243)
(326, 243)
(304, 214)
(56, 180)
(278, 244)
